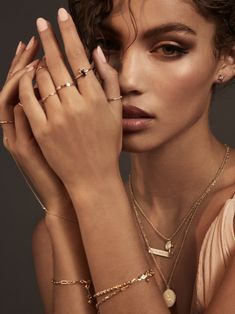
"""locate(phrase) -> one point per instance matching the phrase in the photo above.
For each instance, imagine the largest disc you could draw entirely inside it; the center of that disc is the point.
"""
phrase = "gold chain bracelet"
(122, 287)
(85, 283)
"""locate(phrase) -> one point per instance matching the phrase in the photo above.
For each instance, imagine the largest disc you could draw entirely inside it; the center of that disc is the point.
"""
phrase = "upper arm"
(224, 299)
(43, 262)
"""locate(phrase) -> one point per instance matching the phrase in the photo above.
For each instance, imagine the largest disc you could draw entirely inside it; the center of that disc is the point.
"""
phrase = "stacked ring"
(6, 122)
(114, 99)
(83, 72)
(39, 68)
(46, 97)
(68, 84)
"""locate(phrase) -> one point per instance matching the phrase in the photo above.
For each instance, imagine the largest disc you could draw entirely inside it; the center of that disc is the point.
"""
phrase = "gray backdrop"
(19, 210)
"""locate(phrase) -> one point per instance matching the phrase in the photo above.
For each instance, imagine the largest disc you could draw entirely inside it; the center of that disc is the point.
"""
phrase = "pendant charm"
(170, 297)
(159, 252)
(169, 246)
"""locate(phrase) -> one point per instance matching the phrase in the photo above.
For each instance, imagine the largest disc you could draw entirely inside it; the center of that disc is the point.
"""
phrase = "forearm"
(69, 264)
(113, 248)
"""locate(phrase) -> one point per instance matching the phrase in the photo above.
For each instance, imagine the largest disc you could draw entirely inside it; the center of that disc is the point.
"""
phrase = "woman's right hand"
(18, 138)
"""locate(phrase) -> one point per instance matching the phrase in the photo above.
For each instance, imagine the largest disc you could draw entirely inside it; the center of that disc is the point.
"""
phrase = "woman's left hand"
(78, 130)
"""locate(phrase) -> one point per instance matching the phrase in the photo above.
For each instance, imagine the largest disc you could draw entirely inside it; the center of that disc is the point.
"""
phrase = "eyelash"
(180, 50)
(114, 47)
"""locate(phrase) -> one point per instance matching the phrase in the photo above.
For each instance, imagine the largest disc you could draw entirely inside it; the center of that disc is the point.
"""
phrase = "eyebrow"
(158, 30)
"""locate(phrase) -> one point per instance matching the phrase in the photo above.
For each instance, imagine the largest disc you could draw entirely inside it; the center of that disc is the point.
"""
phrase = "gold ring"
(114, 99)
(83, 72)
(64, 86)
(6, 122)
(40, 68)
(50, 95)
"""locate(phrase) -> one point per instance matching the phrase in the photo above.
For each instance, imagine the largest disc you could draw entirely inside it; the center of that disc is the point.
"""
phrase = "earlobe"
(220, 78)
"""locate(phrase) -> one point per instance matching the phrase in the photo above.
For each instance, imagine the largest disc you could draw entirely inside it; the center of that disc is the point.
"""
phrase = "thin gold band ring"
(46, 97)
(68, 84)
(114, 99)
(6, 122)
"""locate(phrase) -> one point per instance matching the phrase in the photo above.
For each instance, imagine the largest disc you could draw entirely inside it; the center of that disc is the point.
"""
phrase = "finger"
(22, 127)
(9, 129)
(26, 56)
(50, 99)
(8, 98)
(19, 50)
(109, 77)
(32, 108)
(9, 95)
(54, 60)
(76, 54)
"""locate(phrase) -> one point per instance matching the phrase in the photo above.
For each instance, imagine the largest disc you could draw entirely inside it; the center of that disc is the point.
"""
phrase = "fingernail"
(101, 54)
(63, 14)
(30, 44)
(18, 48)
(42, 24)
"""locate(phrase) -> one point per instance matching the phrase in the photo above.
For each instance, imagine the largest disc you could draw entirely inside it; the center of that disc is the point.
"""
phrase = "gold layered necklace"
(169, 294)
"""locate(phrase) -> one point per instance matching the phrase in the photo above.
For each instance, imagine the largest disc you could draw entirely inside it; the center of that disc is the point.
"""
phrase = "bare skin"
(173, 154)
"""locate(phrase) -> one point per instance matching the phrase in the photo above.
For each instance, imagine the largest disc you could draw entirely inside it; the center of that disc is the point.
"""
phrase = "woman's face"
(168, 72)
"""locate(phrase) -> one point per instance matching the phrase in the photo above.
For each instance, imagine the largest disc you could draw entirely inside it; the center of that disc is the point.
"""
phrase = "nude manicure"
(30, 44)
(18, 48)
(63, 14)
(42, 24)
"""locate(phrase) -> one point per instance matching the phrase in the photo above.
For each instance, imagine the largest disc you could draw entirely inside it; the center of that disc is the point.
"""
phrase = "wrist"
(84, 192)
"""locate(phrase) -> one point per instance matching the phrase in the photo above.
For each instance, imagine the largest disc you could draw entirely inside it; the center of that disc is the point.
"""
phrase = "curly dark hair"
(89, 14)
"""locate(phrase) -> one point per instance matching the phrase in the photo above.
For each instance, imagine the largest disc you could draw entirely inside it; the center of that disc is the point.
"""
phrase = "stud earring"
(221, 78)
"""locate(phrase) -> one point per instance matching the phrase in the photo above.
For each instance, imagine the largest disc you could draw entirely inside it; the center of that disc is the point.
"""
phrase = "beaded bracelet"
(121, 287)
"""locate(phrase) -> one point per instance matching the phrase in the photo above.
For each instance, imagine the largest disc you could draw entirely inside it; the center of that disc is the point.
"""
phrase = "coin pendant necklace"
(169, 294)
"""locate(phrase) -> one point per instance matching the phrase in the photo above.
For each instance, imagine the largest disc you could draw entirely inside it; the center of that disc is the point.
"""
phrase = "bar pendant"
(159, 252)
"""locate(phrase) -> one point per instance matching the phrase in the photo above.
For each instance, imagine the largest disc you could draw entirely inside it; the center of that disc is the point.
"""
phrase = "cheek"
(184, 86)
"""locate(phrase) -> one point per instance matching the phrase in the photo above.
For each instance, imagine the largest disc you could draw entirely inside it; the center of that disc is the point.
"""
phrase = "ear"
(226, 68)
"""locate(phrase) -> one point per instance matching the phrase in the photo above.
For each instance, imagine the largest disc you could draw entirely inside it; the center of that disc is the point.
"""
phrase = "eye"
(171, 50)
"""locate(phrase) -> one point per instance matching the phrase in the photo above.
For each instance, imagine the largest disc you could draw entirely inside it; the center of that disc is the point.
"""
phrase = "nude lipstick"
(135, 119)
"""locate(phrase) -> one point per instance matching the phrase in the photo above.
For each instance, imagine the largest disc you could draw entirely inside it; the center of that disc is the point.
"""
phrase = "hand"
(20, 142)
(77, 129)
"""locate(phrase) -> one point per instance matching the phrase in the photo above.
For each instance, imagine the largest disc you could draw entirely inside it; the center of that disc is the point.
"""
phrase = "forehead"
(151, 13)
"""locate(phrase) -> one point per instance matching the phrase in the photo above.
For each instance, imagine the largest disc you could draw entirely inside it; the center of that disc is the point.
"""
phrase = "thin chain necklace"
(169, 245)
(169, 294)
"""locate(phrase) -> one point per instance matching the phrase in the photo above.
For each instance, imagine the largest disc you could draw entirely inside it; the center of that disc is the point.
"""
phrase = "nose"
(130, 73)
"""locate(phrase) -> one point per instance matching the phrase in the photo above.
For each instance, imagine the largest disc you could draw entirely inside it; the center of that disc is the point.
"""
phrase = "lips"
(132, 112)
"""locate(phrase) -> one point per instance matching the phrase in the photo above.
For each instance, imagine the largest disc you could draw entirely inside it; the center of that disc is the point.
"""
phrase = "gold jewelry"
(83, 72)
(44, 99)
(169, 295)
(85, 283)
(114, 99)
(40, 68)
(122, 287)
(6, 122)
(169, 240)
(59, 216)
(68, 84)
(221, 78)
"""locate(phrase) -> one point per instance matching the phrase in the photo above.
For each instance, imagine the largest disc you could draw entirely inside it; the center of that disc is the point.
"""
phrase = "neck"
(171, 177)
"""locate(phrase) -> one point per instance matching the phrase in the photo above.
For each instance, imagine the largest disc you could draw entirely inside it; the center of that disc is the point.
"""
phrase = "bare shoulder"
(43, 263)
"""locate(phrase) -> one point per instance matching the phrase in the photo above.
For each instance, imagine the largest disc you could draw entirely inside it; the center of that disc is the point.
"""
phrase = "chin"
(139, 143)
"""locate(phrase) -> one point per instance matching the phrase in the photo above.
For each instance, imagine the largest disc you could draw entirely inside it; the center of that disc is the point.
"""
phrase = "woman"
(170, 228)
